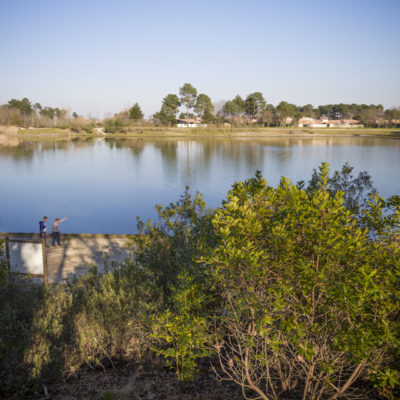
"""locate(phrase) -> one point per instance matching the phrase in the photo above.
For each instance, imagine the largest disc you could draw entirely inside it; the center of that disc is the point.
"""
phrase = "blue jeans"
(55, 236)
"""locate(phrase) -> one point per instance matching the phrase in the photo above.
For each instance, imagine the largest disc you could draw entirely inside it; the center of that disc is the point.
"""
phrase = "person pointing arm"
(55, 234)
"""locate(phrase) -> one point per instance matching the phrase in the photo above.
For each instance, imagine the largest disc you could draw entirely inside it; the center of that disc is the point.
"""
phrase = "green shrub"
(19, 300)
(170, 249)
(173, 244)
(79, 124)
(111, 322)
(311, 297)
(114, 126)
(93, 322)
(51, 332)
(182, 331)
(290, 278)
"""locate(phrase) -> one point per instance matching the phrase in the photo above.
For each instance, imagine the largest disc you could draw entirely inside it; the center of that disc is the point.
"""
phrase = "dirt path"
(78, 252)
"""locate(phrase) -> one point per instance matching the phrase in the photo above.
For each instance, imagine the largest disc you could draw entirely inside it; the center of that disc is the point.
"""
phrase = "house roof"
(351, 121)
(306, 119)
(190, 120)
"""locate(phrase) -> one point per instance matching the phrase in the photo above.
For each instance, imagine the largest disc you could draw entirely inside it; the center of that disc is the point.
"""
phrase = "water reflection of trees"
(193, 153)
(18, 150)
(192, 161)
(26, 149)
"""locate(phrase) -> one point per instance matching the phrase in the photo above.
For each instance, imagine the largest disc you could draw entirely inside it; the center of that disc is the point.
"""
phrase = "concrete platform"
(78, 252)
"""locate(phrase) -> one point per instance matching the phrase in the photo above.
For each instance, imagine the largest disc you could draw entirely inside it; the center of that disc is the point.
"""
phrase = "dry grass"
(8, 130)
(211, 131)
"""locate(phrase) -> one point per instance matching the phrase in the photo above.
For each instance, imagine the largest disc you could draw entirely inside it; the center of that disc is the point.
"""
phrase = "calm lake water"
(101, 185)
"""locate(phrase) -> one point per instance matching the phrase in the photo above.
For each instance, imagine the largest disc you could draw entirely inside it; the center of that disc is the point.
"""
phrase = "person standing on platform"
(43, 229)
(55, 233)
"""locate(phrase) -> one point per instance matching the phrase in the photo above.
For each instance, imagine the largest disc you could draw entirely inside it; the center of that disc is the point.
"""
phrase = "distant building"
(288, 120)
(307, 122)
(334, 123)
(352, 123)
(190, 123)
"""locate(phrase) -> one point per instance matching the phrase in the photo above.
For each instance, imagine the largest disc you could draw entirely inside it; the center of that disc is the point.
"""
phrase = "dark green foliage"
(311, 300)
(48, 112)
(286, 110)
(173, 244)
(292, 288)
(254, 104)
(114, 126)
(135, 112)
(203, 106)
(208, 117)
(238, 105)
(188, 96)
(3, 265)
(171, 249)
(23, 105)
(18, 304)
(183, 329)
(169, 108)
(186, 115)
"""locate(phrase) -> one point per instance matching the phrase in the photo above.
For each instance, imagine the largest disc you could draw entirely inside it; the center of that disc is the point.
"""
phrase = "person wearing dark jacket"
(43, 229)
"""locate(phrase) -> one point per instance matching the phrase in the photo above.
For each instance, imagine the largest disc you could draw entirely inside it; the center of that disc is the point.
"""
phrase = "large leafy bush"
(311, 298)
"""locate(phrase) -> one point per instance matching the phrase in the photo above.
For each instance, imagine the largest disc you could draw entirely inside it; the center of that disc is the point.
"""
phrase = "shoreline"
(158, 132)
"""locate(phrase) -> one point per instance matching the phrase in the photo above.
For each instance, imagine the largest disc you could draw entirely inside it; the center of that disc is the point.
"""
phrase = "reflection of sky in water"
(101, 186)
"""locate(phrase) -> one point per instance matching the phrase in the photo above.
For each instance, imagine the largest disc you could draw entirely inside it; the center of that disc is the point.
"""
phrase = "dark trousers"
(44, 236)
(55, 236)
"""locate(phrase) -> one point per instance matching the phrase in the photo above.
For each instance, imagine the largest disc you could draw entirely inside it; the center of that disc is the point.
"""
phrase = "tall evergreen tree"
(135, 112)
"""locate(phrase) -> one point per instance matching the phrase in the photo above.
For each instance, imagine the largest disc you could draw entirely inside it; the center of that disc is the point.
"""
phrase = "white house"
(307, 122)
(190, 123)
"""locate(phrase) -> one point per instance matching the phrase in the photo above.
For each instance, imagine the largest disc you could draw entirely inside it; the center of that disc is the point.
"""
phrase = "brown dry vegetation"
(8, 130)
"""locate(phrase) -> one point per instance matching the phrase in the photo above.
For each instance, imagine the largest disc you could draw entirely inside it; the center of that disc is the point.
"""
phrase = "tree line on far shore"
(255, 110)
(191, 106)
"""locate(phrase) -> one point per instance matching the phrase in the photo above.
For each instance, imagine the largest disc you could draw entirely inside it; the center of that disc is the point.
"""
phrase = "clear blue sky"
(97, 56)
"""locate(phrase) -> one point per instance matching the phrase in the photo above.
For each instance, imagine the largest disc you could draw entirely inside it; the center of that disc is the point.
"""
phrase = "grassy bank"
(152, 131)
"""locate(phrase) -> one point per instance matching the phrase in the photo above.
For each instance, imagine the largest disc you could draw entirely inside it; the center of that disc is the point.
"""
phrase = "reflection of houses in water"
(307, 122)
